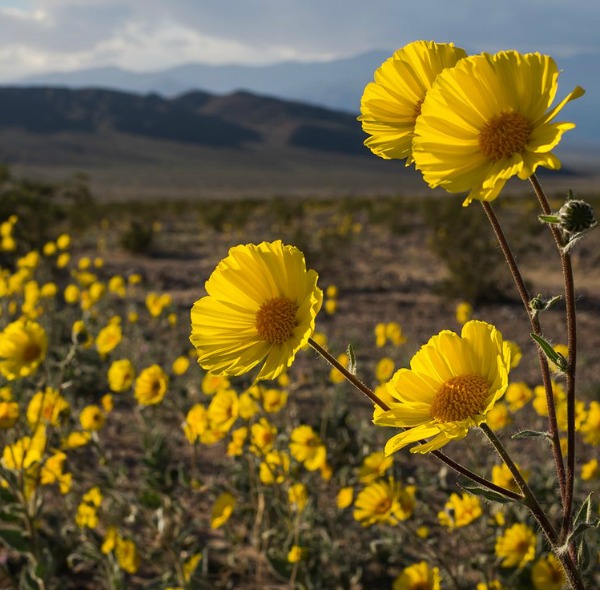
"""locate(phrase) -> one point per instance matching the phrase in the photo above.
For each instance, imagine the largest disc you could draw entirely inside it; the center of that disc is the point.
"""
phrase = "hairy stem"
(438, 454)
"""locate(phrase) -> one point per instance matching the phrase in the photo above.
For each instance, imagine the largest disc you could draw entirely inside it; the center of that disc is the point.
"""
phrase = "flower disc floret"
(452, 384)
(486, 120)
(260, 309)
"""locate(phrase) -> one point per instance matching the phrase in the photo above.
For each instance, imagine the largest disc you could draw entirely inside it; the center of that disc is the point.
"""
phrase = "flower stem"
(567, 270)
(531, 502)
(543, 361)
(438, 454)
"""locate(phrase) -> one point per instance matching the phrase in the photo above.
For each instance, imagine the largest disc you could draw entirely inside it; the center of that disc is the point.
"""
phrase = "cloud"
(40, 35)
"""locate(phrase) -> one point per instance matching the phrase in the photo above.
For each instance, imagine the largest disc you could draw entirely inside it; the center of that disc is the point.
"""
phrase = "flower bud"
(576, 216)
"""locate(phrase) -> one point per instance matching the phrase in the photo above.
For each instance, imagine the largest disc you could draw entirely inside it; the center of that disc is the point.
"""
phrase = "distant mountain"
(336, 84)
(196, 117)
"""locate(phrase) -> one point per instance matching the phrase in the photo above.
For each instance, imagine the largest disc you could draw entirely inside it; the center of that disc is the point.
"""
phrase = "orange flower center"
(382, 506)
(31, 352)
(276, 320)
(504, 135)
(417, 109)
(459, 397)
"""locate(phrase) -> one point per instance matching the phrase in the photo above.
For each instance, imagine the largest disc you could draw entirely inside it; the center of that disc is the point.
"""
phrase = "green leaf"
(14, 539)
(531, 434)
(487, 494)
(580, 529)
(549, 218)
(558, 359)
(351, 359)
(584, 514)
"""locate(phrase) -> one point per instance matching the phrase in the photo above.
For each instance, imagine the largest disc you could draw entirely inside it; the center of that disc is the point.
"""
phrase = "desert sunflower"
(452, 383)
(486, 120)
(391, 104)
(260, 308)
(23, 346)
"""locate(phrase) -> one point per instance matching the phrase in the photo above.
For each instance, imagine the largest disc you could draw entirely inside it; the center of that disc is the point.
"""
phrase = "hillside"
(198, 145)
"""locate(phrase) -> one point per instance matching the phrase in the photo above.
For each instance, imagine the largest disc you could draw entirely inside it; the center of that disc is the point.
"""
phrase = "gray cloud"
(150, 34)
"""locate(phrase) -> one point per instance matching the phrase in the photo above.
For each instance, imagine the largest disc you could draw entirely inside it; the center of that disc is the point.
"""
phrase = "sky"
(145, 35)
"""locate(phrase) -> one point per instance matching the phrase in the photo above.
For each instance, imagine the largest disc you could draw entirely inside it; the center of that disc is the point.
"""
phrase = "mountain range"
(336, 84)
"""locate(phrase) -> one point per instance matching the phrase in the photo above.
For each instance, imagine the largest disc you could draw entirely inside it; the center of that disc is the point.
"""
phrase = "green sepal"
(531, 434)
(558, 359)
(351, 359)
(487, 494)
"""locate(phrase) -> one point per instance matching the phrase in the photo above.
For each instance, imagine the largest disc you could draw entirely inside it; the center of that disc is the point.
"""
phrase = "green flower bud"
(576, 216)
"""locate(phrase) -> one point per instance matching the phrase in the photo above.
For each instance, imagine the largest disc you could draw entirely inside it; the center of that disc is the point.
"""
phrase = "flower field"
(127, 465)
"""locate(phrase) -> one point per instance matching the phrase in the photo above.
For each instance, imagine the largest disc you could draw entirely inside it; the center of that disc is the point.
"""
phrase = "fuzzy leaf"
(351, 359)
(549, 218)
(555, 357)
(531, 434)
(487, 494)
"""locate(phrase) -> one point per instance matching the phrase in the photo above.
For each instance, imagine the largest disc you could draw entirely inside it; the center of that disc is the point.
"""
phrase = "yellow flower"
(47, 406)
(498, 417)
(52, 472)
(196, 423)
(108, 338)
(384, 369)
(92, 418)
(393, 332)
(127, 555)
(383, 393)
(334, 375)
(190, 565)
(63, 241)
(87, 515)
(116, 285)
(262, 436)
(180, 365)
(590, 428)
(384, 502)
(502, 476)
(248, 407)
(222, 510)
(9, 414)
(464, 311)
(212, 383)
(23, 346)
(151, 386)
(453, 382)
(484, 121)
(107, 403)
(460, 511)
(374, 466)
(516, 546)
(547, 574)
(274, 400)
(295, 554)
(391, 104)
(517, 395)
(307, 447)
(121, 374)
(418, 577)
(238, 438)
(298, 496)
(539, 401)
(590, 470)
(515, 354)
(332, 292)
(344, 497)
(76, 440)
(110, 540)
(274, 468)
(223, 409)
(25, 453)
(260, 310)
(71, 294)
(156, 303)
(63, 260)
